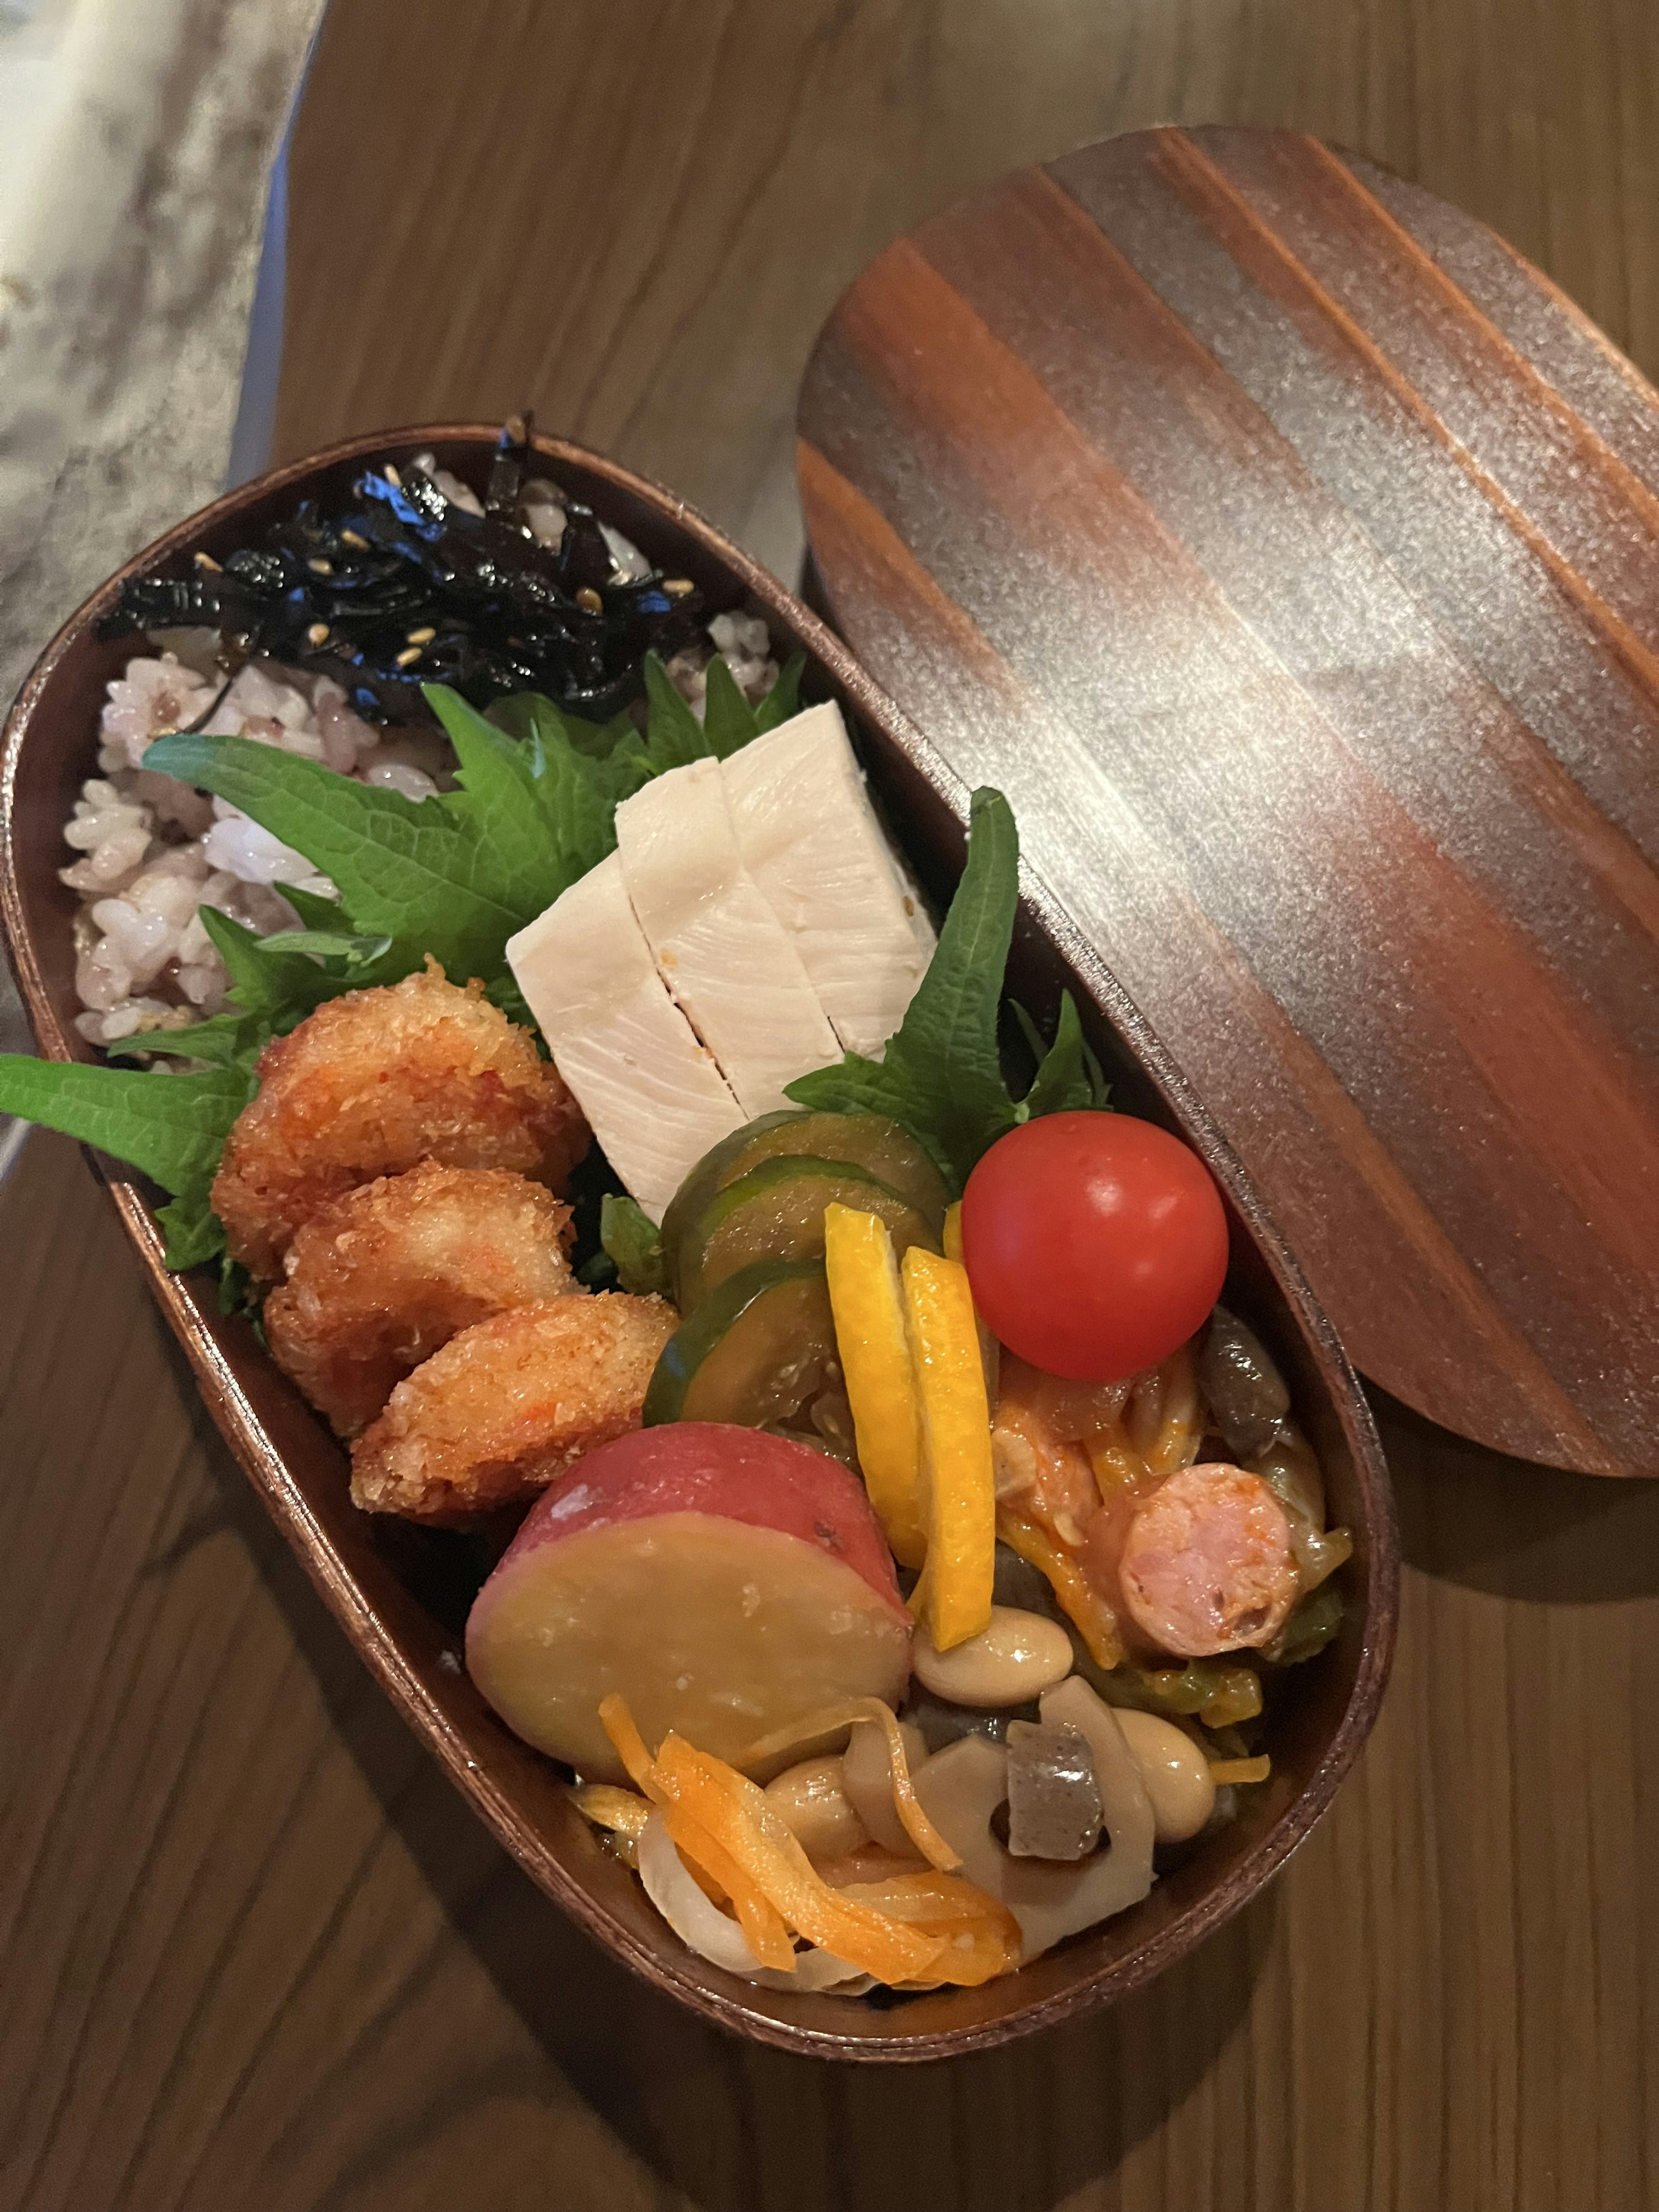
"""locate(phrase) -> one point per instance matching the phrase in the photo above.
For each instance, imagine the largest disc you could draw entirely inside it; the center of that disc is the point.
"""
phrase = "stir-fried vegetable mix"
(907, 1541)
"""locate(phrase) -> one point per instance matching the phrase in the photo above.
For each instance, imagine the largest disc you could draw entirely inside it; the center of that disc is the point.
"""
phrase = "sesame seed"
(207, 561)
(321, 568)
(393, 477)
(317, 634)
(350, 538)
(422, 636)
(590, 599)
(409, 656)
(677, 586)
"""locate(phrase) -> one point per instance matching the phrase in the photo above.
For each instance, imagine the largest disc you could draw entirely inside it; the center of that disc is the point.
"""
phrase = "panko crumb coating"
(506, 1407)
(374, 1082)
(381, 1279)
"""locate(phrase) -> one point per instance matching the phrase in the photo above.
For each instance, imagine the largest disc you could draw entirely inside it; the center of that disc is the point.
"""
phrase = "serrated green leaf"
(531, 713)
(673, 735)
(405, 869)
(326, 947)
(728, 720)
(171, 1127)
(1061, 1084)
(941, 1075)
(222, 1041)
(633, 1244)
(783, 700)
(279, 987)
(523, 799)
(193, 1230)
(314, 911)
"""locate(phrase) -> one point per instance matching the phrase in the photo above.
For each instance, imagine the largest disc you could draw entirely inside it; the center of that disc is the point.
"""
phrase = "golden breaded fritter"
(381, 1277)
(506, 1407)
(372, 1082)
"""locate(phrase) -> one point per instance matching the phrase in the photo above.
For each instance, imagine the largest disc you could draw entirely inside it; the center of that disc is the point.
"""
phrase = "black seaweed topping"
(354, 593)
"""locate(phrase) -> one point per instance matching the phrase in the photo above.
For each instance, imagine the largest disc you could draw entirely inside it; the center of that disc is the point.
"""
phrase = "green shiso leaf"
(633, 1243)
(314, 911)
(674, 736)
(1068, 1077)
(171, 1127)
(783, 700)
(405, 869)
(728, 720)
(222, 1041)
(941, 1075)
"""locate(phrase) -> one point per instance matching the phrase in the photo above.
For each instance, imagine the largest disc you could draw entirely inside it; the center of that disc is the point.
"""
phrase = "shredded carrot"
(713, 1870)
(629, 1744)
(981, 1937)
(1091, 1615)
(826, 1720)
(1240, 1769)
(737, 1815)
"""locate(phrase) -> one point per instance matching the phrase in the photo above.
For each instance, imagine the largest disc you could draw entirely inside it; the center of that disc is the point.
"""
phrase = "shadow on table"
(737, 2128)
(1512, 1529)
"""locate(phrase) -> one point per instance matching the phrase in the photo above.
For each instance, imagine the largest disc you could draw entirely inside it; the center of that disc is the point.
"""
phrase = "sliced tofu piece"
(723, 953)
(655, 1098)
(809, 837)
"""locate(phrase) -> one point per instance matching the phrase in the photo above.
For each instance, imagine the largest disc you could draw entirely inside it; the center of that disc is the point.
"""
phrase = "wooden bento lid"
(1287, 549)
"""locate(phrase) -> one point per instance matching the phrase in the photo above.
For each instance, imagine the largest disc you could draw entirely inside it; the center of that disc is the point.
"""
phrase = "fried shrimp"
(373, 1082)
(507, 1406)
(381, 1277)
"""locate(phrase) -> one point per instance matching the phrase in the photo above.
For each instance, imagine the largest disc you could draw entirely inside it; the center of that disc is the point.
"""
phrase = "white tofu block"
(723, 953)
(810, 839)
(655, 1098)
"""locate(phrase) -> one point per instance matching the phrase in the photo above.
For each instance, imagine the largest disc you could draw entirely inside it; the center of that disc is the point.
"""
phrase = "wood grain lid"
(1287, 549)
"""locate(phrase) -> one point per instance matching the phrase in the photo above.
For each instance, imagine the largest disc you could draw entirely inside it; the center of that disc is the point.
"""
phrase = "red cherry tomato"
(1095, 1244)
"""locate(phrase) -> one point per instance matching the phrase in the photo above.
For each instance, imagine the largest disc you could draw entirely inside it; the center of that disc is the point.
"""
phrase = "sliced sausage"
(1200, 1562)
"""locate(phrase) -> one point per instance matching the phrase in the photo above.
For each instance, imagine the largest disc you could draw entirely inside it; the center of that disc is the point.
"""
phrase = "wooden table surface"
(255, 1953)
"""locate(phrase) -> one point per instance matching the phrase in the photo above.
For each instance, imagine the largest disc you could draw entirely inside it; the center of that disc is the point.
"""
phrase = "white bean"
(1018, 1657)
(1175, 1772)
(812, 1804)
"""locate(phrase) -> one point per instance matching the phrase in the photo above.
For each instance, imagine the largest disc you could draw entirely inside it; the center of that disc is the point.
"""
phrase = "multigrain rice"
(150, 851)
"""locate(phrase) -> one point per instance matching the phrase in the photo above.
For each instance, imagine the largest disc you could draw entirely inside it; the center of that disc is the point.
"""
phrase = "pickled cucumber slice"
(716, 1168)
(776, 1211)
(758, 1349)
(869, 1141)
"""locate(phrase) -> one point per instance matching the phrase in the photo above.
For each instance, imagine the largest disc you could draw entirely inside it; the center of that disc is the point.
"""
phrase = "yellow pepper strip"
(736, 1814)
(1167, 1417)
(619, 1810)
(1089, 1613)
(713, 1870)
(990, 1351)
(956, 1433)
(875, 1358)
(1116, 1466)
(906, 1803)
(1240, 1769)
